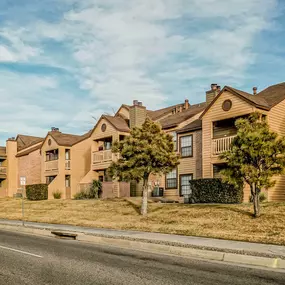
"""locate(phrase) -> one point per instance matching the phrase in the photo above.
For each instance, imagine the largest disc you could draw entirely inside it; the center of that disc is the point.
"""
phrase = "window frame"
(176, 179)
(180, 147)
(180, 180)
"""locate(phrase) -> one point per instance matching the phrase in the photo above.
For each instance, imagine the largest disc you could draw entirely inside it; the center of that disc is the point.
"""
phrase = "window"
(67, 154)
(185, 188)
(186, 146)
(174, 134)
(49, 179)
(67, 181)
(171, 179)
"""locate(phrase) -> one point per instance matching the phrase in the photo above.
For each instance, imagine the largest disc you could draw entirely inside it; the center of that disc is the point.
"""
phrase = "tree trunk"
(256, 205)
(145, 196)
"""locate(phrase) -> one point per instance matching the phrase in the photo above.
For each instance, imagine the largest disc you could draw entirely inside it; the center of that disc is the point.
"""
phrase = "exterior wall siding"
(276, 121)
(216, 113)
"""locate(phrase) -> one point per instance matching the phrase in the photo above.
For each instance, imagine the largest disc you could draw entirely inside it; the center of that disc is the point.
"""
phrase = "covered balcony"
(224, 132)
(103, 156)
(51, 163)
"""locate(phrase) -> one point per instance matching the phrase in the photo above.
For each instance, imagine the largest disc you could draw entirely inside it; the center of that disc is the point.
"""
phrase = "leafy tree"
(256, 155)
(148, 150)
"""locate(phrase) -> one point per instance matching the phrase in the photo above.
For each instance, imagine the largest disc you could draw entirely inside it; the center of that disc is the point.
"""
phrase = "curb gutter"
(175, 248)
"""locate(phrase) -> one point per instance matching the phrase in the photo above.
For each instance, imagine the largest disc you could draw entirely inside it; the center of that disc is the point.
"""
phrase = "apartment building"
(201, 132)
(20, 157)
(218, 125)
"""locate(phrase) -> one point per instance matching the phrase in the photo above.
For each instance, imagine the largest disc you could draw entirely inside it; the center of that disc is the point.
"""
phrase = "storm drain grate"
(64, 235)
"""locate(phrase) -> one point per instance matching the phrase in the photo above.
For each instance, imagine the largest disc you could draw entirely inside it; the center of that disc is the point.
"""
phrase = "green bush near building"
(214, 191)
(37, 192)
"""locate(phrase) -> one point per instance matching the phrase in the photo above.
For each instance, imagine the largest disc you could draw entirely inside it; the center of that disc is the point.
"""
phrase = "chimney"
(211, 94)
(137, 114)
(186, 104)
(214, 86)
(254, 90)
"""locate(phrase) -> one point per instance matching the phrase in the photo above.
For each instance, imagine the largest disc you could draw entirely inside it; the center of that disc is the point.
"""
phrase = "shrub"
(37, 192)
(214, 191)
(57, 194)
(82, 195)
(93, 192)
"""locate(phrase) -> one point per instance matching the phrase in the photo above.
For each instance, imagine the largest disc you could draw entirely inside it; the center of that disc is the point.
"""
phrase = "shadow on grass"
(136, 207)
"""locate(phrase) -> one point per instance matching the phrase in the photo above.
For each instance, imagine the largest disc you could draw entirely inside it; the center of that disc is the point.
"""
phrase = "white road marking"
(20, 251)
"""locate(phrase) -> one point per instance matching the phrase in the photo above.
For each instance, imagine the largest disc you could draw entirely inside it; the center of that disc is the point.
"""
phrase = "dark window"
(186, 146)
(171, 179)
(49, 179)
(67, 181)
(52, 155)
(185, 188)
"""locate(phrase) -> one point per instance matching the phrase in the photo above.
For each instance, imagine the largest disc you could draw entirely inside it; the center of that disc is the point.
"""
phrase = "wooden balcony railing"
(67, 164)
(51, 165)
(102, 156)
(221, 145)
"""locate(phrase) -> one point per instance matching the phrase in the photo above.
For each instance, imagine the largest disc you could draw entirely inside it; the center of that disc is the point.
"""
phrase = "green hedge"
(37, 192)
(214, 191)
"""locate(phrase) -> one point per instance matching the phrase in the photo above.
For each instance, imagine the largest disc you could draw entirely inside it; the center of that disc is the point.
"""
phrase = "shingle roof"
(194, 126)
(273, 94)
(155, 115)
(24, 141)
(68, 139)
(28, 151)
(256, 100)
(174, 120)
(2, 151)
(117, 122)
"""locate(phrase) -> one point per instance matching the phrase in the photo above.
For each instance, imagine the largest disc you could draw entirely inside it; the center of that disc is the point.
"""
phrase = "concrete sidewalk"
(177, 240)
(209, 248)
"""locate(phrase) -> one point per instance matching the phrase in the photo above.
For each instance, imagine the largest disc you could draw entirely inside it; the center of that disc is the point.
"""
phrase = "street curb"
(156, 246)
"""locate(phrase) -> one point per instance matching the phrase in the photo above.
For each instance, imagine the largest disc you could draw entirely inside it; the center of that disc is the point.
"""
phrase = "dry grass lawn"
(219, 221)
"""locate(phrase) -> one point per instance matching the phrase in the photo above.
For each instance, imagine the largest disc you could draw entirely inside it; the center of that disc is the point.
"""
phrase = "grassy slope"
(219, 221)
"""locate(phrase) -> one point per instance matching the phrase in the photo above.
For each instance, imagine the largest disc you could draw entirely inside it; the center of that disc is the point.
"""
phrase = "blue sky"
(63, 63)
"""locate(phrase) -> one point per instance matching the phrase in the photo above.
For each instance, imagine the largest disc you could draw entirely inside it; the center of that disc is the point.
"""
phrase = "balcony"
(222, 145)
(102, 156)
(102, 159)
(51, 166)
(3, 171)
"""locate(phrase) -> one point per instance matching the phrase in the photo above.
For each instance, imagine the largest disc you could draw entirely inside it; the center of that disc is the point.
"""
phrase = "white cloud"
(119, 50)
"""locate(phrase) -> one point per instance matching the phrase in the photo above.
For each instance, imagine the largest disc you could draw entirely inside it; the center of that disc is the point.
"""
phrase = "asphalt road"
(33, 260)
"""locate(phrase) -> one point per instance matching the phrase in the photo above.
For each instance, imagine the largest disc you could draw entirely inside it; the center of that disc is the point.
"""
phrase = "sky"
(64, 63)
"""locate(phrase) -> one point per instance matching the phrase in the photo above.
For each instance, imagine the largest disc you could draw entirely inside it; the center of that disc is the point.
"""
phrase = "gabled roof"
(194, 126)
(254, 100)
(155, 115)
(67, 139)
(28, 151)
(24, 141)
(117, 122)
(176, 119)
